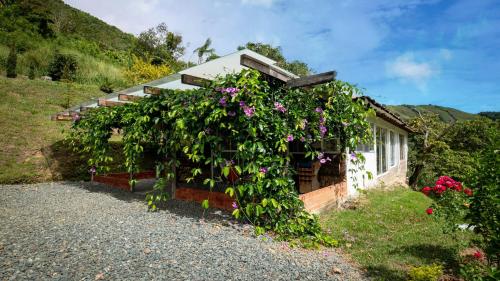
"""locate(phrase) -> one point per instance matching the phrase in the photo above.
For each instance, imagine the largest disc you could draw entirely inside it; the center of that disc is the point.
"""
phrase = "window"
(402, 153)
(381, 136)
(392, 148)
(367, 147)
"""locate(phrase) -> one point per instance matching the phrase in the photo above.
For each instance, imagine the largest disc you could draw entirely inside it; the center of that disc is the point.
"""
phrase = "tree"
(453, 149)
(296, 67)
(63, 67)
(204, 50)
(12, 62)
(159, 43)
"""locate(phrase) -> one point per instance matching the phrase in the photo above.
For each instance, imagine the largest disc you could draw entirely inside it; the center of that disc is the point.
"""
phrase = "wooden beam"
(262, 67)
(125, 97)
(105, 102)
(152, 90)
(195, 81)
(62, 117)
(312, 80)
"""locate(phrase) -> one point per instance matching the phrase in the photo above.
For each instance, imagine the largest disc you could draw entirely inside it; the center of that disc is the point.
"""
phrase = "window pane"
(392, 145)
(381, 137)
(401, 147)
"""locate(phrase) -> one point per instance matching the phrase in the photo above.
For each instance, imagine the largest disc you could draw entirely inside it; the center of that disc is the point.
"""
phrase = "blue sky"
(400, 51)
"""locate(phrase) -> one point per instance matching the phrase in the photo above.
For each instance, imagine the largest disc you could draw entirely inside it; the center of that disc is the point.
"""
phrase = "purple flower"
(322, 130)
(319, 110)
(234, 205)
(322, 158)
(322, 120)
(92, 170)
(289, 138)
(229, 162)
(231, 113)
(249, 111)
(263, 170)
(278, 106)
(76, 117)
(223, 101)
(321, 155)
(302, 139)
(353, 156)
(242, 103)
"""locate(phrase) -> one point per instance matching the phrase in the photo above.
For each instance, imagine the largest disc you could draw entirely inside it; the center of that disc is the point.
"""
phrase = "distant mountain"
(493, 115)
(446, 114)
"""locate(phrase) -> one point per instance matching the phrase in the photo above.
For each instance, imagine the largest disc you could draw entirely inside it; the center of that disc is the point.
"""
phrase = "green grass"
(31, 147)
(388, 232)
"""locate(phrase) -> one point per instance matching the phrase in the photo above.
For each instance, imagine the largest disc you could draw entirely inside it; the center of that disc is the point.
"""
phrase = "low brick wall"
(325, 198)
(216, 199)
(120, 180)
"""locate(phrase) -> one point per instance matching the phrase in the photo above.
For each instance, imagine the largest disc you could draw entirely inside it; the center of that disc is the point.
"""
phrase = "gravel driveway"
(78, 231)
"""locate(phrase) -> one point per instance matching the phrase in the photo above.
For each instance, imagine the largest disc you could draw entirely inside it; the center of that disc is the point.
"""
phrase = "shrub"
(142, 71)
(31, 72)
(12, 63)
(63, 67)
(451, 201)
(106, 86)
(425, 273)
(485, 207)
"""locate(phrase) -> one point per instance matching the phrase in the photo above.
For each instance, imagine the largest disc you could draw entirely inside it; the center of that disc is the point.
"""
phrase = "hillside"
(31, 146)
(446, 114)
(40, 28)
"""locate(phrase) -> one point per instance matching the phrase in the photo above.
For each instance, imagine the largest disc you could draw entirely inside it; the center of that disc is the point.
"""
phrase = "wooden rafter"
(125, 97)
(105, 102)
(263, 67)
(312, 80)
(194, 81)
(152, 90)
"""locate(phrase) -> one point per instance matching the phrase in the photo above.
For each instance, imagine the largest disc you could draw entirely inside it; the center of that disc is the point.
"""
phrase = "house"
(320, 186)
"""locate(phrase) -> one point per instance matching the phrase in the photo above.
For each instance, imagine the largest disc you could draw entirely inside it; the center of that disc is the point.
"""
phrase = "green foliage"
(493, 115)
(447, 149)
(425, 273)
(63, 67)
(159, 196)
(242, 108)
(445, 114)
(106, 86)
(485, 207)
(296, 67)
(159, 42)
(479, 271)
(32, 71)
(205, 51)
(12, 63)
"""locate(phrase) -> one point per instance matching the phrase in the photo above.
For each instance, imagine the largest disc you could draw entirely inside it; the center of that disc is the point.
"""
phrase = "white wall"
(396, 173)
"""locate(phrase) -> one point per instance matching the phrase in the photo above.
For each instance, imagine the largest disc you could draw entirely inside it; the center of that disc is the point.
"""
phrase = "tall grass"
(92, 70)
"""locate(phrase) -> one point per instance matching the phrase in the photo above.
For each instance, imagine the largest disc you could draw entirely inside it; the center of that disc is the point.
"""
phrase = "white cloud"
(406, 68)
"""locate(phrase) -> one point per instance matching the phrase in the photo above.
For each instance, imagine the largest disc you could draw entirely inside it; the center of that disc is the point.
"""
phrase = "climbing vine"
(258, 119)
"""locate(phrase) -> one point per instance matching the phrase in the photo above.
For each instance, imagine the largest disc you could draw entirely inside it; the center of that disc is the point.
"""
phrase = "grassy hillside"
(39, 28)
(446, 114)
(31, 147)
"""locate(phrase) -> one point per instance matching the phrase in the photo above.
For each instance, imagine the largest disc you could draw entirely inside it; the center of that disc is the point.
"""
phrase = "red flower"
(478, 255)
(468, 191)
(429, 211)
(439, 189)
(426, 190)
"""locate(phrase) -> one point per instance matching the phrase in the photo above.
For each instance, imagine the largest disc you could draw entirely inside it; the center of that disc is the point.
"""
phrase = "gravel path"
(78, 231)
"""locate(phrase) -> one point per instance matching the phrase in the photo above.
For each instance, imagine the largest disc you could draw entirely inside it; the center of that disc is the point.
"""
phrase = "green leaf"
(264, 202)
(205, 204)
(225, 171)
(230, 191)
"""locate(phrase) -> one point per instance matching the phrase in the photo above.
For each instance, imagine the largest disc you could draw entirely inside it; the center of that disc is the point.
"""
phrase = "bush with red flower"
(451, 201)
